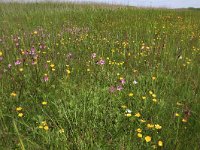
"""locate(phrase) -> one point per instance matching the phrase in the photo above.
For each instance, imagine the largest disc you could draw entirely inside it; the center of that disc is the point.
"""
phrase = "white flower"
(135, 82)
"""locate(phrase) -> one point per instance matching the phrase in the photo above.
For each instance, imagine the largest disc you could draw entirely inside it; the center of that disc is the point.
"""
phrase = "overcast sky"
(153, 3)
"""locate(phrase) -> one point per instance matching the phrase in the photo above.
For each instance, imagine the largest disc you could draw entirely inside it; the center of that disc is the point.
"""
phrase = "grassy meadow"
(92, 77)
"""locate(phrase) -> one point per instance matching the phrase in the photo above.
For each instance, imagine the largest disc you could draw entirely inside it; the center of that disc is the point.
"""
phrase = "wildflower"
(1, 53)
(144, 97)
(139, 135)
(142, 120)
(154, 95)
(94, 55)
(52, 65)
(53, 69)
(35, 32)
(128, 115)
(130, 94)
(21, 69)
(154, 100)
(9, 65)
(88, 70)
(44, 103)
(48, 61)
(124, 106)
(112, 89)
(150, 92)
(122, 80)
(153, 78)
(157, 126)
(46, 127)
(177, 115)
(119, 88)
(18, 108)
(139, 130)
(137, 115)
(61, 130)
(68, 71)
(184, 120)
(13, 94)
(150, 126)
(101, 62)
(128, 111)
(160, 143)
(40, 126)
(46, 78)
(147, 138)
(135, 82)
(20, 115)
(18, 62)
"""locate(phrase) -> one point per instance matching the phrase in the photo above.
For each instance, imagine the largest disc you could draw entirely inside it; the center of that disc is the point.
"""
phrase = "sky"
(145, 3)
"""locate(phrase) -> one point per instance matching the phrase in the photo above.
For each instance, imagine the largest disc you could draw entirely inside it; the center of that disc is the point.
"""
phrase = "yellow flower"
(153, 78)
(46, 128)
(150, 126)
(53, 69)
(177, 115)
(154, 100)
(154, 95)
(147, 138)
(18, 108)
(44, 103)
(62, 130)
(13, 94)
(88, 70)
(137, 115)
(1, 53)
(139, 135)
(142, 120)
(40, 126)
(20, 115)
(128, 115)
(184, 120)
(35, 32)
(130, 94)
(52, 65)
(160, 143)
(68, 71)
(21, 69)
(144, 97)
(48, 61)
(139, 130)
(124, 106)
(150, 92)
(157, 126)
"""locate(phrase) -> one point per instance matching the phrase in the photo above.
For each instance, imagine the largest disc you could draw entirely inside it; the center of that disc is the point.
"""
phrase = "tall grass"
(76, 76)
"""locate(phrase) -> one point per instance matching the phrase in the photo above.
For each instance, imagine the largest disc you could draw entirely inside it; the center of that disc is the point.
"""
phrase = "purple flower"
(122, 81)
(101, 62)
(32, 52)
(18, 62)
(46, 78)
(119, 88)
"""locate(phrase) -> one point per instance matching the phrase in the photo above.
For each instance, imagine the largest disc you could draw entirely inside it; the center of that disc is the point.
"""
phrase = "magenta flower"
(46, 78)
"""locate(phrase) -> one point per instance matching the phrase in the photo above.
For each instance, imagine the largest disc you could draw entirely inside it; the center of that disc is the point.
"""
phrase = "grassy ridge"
(98, 77)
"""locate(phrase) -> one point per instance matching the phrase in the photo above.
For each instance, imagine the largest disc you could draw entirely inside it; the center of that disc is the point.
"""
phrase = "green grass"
(158, 48)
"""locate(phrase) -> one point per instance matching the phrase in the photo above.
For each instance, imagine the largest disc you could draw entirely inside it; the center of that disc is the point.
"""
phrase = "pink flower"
(122, 81)
(101, 62)
(46, 78)
(112, 89)
(119, 88)
(18, 62)
(94, 55)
